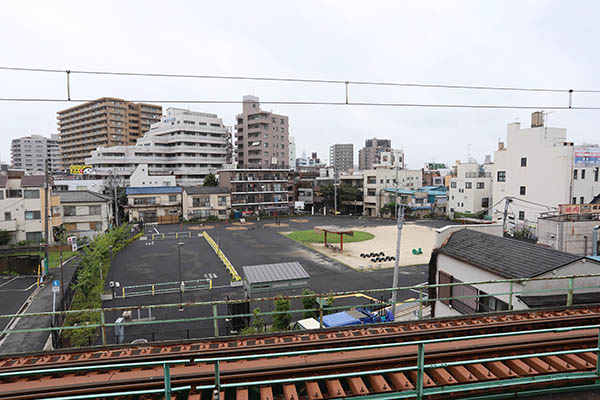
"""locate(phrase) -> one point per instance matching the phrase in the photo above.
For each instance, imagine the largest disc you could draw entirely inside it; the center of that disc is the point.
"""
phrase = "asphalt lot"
(14, 291)
(155, 261)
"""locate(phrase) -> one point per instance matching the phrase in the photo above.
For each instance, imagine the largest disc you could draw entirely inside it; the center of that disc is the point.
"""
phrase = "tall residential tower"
(31, 152)
(341, 156)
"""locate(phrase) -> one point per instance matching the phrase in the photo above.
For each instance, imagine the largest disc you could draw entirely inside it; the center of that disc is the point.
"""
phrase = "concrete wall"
(442, 234)
(568, 236)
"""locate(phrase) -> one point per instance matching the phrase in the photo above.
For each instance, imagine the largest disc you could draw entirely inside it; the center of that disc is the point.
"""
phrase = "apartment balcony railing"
(478, 175)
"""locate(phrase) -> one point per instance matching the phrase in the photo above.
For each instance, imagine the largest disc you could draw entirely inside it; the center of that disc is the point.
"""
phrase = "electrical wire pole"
(46, 214)
(397, 262)
(334, 191)
(504, 218)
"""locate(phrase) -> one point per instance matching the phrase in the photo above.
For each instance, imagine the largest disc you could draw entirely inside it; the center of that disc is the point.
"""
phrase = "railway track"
(307, 340)
(348, 372)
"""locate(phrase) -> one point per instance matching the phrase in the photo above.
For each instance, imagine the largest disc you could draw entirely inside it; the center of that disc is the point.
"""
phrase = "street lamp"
(181, 284)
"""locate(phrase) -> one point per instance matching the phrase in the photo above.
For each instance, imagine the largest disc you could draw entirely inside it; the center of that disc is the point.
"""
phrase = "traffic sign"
(55, 286)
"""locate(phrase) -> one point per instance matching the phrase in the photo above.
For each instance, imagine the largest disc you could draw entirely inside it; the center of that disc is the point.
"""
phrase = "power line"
(300, 80)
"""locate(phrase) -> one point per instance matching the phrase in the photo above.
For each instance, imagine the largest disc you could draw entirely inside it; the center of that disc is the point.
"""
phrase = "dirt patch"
(243, 223)
(237, 228)
(275, 225)
(298, 220)
(200, 228)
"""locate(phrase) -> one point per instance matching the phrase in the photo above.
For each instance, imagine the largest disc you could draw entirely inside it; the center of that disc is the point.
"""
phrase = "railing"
(478, 174)
(419, 391)
(235, 277)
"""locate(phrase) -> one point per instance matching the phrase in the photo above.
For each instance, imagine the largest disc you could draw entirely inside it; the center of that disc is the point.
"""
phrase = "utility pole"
(46, 213)
(504, 219)
(334, 191)
(396, 190)
(397, 262)
(114, 182)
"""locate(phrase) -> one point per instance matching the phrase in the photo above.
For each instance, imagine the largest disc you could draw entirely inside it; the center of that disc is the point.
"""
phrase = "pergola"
(334, 229)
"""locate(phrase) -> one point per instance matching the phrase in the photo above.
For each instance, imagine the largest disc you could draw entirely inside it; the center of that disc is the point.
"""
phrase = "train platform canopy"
(274, 277)
(334, 229)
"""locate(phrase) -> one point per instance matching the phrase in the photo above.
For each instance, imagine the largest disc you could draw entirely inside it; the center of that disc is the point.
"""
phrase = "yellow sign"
(81, 169)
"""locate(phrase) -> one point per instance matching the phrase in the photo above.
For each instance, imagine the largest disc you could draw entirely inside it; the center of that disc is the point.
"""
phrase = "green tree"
(258, 323)
(211, 180)
(308, 302)
(388, 209)
(328, 307)
(4, 237)
(281, 322)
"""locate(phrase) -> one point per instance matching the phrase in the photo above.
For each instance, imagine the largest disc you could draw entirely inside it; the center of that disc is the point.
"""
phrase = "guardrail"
(235, 277)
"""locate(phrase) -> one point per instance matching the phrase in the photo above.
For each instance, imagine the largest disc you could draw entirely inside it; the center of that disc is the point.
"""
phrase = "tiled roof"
(154, 190)
(206, 190)
(509, 258)
(82, 196)
(274, 272)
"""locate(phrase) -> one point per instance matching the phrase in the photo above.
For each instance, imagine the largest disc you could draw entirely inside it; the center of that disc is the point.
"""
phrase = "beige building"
(154, 204)
(262, 137)
(106, 122)
(369, 155)
(375, 181)
(22, 203)
(31, 152)
(85, 213)
(202, 202)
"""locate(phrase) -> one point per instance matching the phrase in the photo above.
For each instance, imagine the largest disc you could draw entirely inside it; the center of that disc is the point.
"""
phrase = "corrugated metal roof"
(82, 196)
(154, 190)
(274, 272)
(206, 190)
(33, 181)
(509, 258)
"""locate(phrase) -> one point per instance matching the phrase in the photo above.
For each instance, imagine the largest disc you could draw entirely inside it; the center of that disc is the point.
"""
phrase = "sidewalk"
(41, 301)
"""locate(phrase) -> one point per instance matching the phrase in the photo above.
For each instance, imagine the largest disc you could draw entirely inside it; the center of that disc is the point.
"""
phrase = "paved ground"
(147, 262)
(14, 291)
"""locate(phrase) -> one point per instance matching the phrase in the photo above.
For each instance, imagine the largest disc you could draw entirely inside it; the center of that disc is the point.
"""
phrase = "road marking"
(144, 238)
(9, 281)
(156, 230)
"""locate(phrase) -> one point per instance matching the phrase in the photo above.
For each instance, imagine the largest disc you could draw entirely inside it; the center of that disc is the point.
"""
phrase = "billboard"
(579, 208)
(587, 156)
(81, 170)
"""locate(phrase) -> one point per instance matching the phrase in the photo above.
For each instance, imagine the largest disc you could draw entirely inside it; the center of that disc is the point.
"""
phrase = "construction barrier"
(235, 277)
(172, 235)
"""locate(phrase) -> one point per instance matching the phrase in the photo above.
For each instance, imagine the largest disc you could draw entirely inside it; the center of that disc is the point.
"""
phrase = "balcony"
(10, 225)
(478, 174)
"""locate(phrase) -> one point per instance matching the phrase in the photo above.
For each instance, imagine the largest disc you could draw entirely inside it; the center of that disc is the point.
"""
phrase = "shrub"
(309, 302)
(281, 322)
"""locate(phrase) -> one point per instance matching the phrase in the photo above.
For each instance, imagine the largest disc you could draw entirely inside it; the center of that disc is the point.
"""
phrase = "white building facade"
(31, 152)
(539, 169)
(471, 189)
(378, 179)
(186, 144)
(292, 149)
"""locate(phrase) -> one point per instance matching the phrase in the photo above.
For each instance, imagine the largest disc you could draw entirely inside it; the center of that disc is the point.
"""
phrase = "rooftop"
(509, 258)
(274, 272)
(154, 190)
(82, 196)
(206, 190)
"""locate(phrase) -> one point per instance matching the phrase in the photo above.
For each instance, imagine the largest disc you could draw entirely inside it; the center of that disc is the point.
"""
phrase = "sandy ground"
(413, 237)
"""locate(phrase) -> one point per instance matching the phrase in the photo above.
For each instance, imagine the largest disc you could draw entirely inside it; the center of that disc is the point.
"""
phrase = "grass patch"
(311, 236)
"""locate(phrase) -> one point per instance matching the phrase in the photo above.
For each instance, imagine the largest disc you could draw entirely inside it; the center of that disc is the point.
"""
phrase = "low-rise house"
(85, 213)
(22, 203)
(154, 204)
(203, 202)
(473, 256)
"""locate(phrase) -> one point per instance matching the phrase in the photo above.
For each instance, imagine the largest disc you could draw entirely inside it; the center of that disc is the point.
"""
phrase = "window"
(501, 176)
(480, 185)
(69, 211)
(522, 190)
(34, 237)
(581, 200)
(522, 215)
(468, 185)
(523, 161)
(485, 202)
(453, 185)
(574, 200)
(489, 303)
(172, 198)
(13, 194)
(94, 210)
(2, 193)
(596, 174)
(7, 216)
(30, 215)
(464, 298)
(70, 227)
(583, 174)
(222, 201)
(371, 192)
(444, 292)
(144, 201)
(201, 201)
(371, 180)
(574, 174)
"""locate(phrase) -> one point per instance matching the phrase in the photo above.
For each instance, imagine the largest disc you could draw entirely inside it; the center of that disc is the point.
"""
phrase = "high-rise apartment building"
(187, 144)
(262, 137)
(106, 122)
(341, 156)
(369, 155)
(292, 151)
(31, 152)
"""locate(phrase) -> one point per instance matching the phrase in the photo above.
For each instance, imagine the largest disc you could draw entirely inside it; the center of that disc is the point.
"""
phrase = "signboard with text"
(81, 170)
(587, 156)
(579, 208)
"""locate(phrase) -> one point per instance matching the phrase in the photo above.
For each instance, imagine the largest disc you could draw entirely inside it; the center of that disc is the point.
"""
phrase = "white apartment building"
(93, 185)
(31, 152)
(186, 144)
(471, 189)
(85, 213)
(141, 177)
(378, 179)
(539, 169)
(391, 158)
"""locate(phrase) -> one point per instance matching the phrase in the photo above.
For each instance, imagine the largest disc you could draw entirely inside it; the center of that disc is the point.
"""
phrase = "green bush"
(89, 286)
(281, 322)
(310, 302)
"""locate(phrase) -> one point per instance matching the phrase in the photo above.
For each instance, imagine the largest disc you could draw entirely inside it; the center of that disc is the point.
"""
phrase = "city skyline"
(384, 43)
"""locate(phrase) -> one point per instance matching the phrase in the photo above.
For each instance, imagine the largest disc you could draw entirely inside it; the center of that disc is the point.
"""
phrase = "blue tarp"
(339, 319)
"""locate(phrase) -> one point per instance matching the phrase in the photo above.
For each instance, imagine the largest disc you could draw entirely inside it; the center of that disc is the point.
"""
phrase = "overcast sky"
(520, 43)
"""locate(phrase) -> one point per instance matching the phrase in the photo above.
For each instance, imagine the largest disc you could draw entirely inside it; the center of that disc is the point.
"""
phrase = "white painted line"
(156, 230)
(143, 238)
(9, 281)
